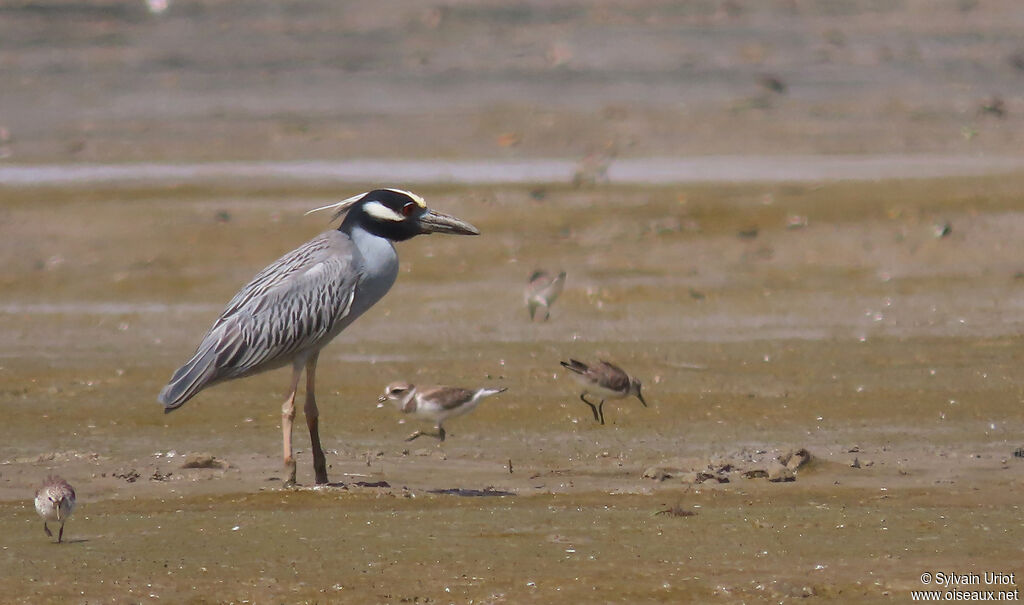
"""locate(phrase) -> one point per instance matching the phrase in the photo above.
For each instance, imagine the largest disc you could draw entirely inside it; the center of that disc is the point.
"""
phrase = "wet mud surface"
(874, 324)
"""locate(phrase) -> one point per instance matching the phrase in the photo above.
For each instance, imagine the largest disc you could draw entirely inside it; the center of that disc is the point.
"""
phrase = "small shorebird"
(55, 501)
(541, 292)
(604, 380)
(298, 304)
(434, 403)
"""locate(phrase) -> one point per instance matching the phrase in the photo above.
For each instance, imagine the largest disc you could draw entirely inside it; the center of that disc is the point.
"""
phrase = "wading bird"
(541, 292)
(55, 501)
(298, 304)
(435, 404)
(604, 380)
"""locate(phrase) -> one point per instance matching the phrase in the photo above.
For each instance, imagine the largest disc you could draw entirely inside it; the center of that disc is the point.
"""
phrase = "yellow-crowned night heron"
(294, 307)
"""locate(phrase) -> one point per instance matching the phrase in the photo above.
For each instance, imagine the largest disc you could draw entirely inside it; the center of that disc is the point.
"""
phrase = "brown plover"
(434, 403)
(541, 292)
(604, 380)
(55, 501)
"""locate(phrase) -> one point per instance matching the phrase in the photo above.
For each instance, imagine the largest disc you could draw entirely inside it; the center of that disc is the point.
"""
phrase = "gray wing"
(448, 397)
(610, 375)
(291, 305)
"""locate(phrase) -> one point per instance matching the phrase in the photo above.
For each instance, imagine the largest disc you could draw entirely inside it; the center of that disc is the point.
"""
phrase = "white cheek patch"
(381, 212)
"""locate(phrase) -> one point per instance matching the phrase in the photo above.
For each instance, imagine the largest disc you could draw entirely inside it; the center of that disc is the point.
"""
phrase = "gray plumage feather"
(295, 304)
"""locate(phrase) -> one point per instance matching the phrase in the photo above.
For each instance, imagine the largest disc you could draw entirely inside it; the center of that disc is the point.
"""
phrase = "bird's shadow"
(70, 541)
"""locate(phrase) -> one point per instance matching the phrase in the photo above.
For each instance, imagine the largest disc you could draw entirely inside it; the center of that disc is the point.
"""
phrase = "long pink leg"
(287, 418)
(313, 422)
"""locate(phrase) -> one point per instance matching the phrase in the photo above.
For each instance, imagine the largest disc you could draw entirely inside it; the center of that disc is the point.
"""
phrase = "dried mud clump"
(777, 465)
(203, 461)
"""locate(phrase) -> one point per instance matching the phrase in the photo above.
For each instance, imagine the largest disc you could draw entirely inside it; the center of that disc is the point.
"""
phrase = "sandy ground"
(836, 318)
(874, 323)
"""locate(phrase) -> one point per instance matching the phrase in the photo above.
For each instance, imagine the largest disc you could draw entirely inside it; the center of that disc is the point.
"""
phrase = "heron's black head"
(399, 215)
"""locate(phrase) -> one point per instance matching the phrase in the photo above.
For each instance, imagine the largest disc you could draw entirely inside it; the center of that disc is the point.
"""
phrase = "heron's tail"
(189, 380)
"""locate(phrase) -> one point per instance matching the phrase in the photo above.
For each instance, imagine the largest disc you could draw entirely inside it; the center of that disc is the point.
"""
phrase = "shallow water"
(638, 171)
(860, 332)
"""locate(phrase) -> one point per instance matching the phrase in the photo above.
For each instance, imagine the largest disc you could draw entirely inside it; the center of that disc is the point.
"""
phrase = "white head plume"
(341, 207)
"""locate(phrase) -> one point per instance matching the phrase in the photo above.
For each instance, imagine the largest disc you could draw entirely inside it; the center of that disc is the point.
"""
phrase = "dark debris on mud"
(472, 493)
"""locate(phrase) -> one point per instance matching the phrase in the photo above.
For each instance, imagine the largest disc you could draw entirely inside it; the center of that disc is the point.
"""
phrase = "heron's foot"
(289, 472)
(319, 465)
(415, 435)
(47, 530)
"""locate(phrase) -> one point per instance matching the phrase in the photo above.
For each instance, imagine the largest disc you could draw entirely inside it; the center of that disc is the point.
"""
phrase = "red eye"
(408, 208)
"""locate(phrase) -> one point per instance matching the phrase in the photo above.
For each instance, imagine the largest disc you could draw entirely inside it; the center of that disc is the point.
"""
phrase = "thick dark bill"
(641, 398)
(382, 399)
(436, 222)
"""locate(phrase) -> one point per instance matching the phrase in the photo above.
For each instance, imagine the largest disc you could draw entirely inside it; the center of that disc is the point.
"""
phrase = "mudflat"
(875, 325)
(795, 304)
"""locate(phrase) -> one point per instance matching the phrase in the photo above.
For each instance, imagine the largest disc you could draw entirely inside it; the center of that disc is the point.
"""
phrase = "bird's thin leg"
(60, 534)
(593, 408)
(47, 530)
(287, 418)
(440, 432)
(313, 422)
(600, 410)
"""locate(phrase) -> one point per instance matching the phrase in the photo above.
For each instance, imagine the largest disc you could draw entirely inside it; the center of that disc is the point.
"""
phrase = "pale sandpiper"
(55, 501)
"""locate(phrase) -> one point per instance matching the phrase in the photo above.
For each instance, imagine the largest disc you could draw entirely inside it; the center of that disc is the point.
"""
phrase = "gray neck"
(378, 268)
